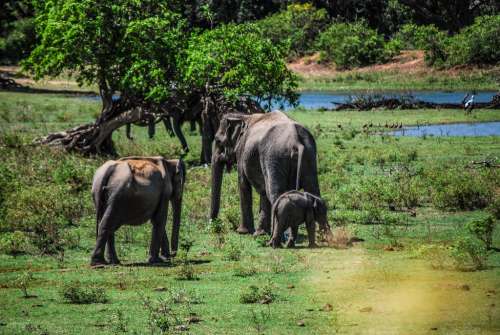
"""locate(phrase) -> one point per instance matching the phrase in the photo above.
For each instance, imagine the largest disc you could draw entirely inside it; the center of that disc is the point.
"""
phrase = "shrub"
(296, 28)
(232, 251)
(242, 270)
(482, 229)
(19, 42)
(476, 44)
(253, 294)
(439, 256)
(75, 293)
(469, 253)
(42, 210)
(23, 282)
(352, 44)
(456, 189)
(413, 36)
(161, 315)
(15, 243)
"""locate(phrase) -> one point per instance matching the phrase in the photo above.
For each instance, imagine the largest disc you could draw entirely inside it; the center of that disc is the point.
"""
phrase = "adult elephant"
(273, 153)
(131, 191)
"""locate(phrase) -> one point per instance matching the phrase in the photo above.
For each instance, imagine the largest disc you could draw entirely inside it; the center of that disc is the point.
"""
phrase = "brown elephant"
(293, 208)
(131, 191)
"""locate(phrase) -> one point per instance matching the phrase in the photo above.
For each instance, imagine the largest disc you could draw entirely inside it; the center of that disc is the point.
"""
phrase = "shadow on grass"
(165, 264)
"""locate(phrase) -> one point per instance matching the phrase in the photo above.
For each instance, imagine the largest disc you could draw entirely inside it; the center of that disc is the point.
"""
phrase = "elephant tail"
(300, 155)
(99, 193)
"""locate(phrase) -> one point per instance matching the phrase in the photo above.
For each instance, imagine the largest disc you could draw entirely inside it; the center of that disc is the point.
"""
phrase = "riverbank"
(407, 72)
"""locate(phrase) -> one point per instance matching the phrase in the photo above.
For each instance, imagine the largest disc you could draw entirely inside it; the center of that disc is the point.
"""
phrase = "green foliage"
(125, 45)
(42, 210)
(458, 189)
(353, 44)
(263, 295)
(75, 293)
(161, 315)
(476, 44)
(235, 60)
(469, 253)
(19, 41)
(296, 28)
(413, 36)
(15, 243)
(232, 250)
(482, 229)
(23, 282)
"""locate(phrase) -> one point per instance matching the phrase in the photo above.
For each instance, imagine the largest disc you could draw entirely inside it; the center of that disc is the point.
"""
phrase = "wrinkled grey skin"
(267, 149)
(131, 191)
(294, 208)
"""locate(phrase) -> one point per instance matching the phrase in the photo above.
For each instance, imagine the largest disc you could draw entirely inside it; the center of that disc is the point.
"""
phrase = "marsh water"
(320, 99)
(452, 129)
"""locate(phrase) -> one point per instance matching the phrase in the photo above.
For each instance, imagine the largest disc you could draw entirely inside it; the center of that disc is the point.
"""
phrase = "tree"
(235, 70)
(145, 52)
(123, 46)
(451, 15)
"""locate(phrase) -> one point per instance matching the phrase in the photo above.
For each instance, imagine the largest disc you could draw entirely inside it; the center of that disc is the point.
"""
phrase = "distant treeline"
(347, 32)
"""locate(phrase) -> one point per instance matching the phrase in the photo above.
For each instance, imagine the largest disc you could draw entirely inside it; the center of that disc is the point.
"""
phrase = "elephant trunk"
(217, 174)
(177, 204)
(176, 208)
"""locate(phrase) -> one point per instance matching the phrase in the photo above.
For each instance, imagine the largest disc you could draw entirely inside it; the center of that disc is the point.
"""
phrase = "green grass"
(360, 290)
(400, 81)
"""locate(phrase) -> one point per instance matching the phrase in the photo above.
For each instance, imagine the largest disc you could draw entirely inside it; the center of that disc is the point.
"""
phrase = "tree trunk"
(94, 138)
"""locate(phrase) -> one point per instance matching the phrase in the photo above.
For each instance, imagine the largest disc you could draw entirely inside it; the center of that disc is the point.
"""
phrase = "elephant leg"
(278, 230)
(111, 251)
(151, 128)
(158, 233)
(294, 233)
(103, 233)
(192, 126)
(265, 216)
(179, 134)
(311, 234)
(207, 136)
(246, 226)
(128, 131)
(168, 126)
(164, 248)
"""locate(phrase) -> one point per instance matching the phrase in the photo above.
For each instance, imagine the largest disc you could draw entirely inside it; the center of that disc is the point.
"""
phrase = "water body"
(452, 129)
(325, 99)
(320, 99)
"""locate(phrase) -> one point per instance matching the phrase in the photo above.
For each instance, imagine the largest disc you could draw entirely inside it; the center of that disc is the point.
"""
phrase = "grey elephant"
(293, 208)
(273, 154)
(131, 191)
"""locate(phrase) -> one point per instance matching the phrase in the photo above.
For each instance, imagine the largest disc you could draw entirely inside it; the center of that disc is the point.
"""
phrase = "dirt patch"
(388, 293)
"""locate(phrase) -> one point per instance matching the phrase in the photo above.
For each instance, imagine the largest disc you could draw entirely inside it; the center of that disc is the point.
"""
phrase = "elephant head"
(317, 212)
(226, 145)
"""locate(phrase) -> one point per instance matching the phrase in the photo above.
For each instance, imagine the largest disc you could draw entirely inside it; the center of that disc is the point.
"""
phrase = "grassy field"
(419, 271)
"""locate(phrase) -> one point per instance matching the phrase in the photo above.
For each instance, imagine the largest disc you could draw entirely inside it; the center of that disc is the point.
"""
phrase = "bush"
(482, 229)
(353, 44)
(476, 44)
(19, 41)
(414, 36)
(469, 253)
(232, 251)
(456, 189)
(15, 243)
(296, 28)
(253, 294)
(75, 293)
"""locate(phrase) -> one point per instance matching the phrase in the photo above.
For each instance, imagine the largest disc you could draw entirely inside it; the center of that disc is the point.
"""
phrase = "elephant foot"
(97, 262)
(259, 232)
(290, 244)
(274, 244)
(157, 260)
(243, 230)
(114, 261)
(312, 245)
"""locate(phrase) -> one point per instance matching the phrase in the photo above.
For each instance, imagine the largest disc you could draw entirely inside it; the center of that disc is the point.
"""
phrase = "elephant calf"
(131, 191)
(290, 210)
